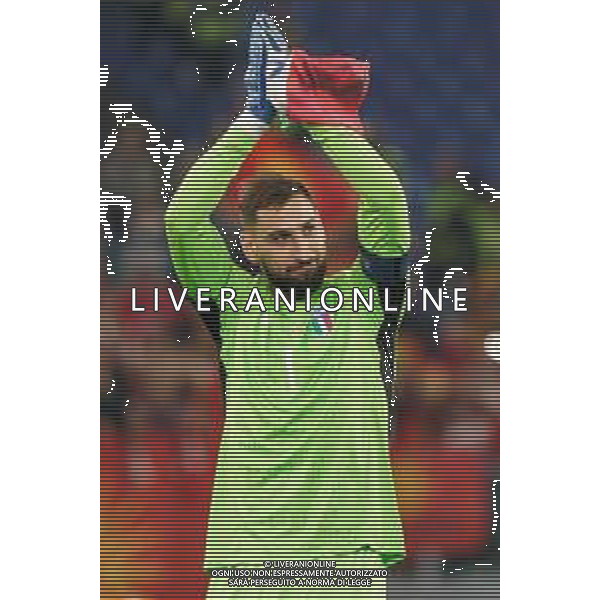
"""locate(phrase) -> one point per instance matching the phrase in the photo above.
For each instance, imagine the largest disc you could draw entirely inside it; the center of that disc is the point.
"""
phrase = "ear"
(248, 241)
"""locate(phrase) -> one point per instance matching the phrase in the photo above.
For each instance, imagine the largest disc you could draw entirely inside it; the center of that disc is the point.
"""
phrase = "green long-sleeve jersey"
(200, 253)
(303, 469)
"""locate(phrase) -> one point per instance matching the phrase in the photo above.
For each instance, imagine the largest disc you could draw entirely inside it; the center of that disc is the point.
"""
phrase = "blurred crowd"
(161, 397)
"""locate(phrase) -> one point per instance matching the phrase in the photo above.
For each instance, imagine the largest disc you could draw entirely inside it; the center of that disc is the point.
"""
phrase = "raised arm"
(198, 250)
(383, 220)
(324, 95)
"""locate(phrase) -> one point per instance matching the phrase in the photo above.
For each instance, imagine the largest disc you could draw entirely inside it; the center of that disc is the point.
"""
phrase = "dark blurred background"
(170, 83)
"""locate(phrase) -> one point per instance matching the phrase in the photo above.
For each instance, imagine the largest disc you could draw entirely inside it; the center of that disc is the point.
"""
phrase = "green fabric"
(383, 222)
(303, 469)
(198, 251)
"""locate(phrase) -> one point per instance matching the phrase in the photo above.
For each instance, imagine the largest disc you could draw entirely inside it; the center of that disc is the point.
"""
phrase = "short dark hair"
(270, 191)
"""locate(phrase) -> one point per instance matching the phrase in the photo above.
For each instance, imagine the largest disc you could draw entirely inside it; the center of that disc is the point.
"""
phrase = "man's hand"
(269, 60)
(279, 60)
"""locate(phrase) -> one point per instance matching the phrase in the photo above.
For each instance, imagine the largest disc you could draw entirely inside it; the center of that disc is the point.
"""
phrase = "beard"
(310, 278)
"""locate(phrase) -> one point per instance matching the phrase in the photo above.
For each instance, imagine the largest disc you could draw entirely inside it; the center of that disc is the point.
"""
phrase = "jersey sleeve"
(198, 251)
(383, 220)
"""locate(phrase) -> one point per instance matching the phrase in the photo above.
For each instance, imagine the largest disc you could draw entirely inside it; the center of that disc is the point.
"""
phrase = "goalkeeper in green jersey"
(303, 470)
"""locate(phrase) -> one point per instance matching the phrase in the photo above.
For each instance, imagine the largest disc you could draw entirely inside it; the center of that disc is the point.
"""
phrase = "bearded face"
(288, 242)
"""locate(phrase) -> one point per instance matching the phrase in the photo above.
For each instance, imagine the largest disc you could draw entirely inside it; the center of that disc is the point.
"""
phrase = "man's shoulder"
(350, 277)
